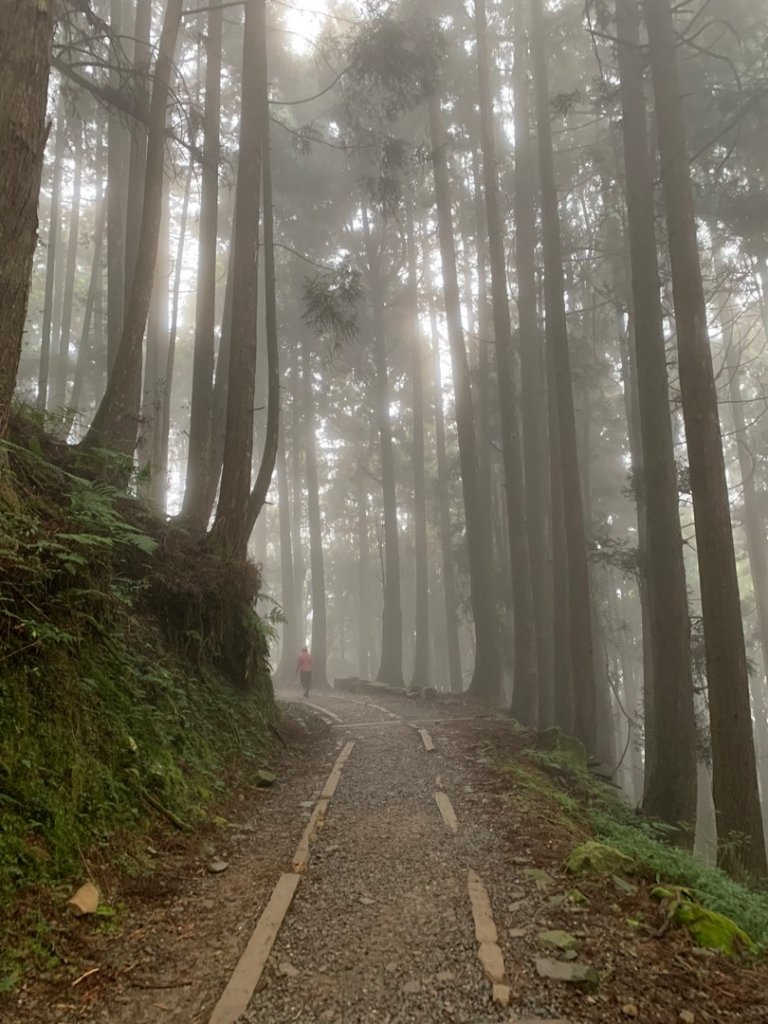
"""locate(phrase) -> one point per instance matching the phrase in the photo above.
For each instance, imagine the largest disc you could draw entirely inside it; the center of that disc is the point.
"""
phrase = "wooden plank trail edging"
(245, 977)
(242, 984)
(301, 856)
(321, 710)
(446, 810)
(488, 951)
(427, 740)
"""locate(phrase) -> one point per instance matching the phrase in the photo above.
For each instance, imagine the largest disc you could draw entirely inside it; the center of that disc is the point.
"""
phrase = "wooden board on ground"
(488, 952)
(427, 740)
(446, 810)
(241, 986)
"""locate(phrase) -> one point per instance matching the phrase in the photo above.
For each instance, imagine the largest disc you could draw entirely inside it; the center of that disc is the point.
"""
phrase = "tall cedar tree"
(525, 700)
(579, 601)
(201, 410)
(670, 775)
(486, 675)
(26, 33)
(420, 676)
(533, 394)
(391, 664)
(735, 790)
(230, 528)
(116, 422)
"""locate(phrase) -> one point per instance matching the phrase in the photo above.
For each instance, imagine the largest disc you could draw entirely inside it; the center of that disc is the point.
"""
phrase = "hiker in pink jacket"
(304, 667)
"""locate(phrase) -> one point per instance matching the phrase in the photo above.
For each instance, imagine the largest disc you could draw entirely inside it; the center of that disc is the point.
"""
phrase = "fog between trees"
(453, 317)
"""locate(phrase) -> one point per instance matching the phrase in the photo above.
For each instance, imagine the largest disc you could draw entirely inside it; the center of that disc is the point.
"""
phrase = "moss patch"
(593, 858)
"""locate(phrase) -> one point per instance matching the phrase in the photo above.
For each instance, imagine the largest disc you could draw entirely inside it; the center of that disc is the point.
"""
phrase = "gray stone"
(575, 974)
(557, 939)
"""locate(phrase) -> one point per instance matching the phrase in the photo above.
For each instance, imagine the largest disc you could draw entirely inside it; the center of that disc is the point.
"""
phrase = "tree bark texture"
(314, 516)
(421, 673)
(532, 378)
(579, 603)
(54, 241)
(670, 777)
(525, 700)
(230, 529)
(735, 790)
(486, 676)
(391, 665)
(201, 409)
(115, 424)
(26, 31)
(442, 492)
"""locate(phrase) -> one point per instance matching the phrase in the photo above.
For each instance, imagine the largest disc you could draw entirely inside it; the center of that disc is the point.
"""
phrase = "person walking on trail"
(304, 668)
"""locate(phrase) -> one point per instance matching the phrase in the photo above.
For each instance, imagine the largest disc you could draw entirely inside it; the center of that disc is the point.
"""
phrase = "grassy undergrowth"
(132, 670)
(590, 805)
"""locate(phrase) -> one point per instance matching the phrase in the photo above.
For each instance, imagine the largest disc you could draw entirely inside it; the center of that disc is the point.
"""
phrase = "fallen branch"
(174, 819)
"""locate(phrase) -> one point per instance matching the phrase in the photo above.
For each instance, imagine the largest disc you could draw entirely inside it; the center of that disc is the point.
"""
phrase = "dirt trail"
(381, 927)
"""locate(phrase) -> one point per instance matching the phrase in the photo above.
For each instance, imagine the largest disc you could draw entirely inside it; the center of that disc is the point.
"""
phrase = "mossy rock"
(593, 858)
(710, 929)
(557, 741)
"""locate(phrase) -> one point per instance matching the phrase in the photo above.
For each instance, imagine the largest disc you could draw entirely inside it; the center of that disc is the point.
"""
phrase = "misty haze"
(383, 511)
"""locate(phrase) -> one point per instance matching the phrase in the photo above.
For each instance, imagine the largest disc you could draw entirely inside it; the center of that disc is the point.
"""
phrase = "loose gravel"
(381, 928)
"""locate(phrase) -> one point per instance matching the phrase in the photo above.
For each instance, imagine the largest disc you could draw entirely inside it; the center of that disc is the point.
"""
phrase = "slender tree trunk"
(54, 240)
(421, 672)
(220, 388)
(290, 637)
(533, 390)
(316, 556)
(26, 31)
(297, 503)
(194, 508)
(486, 676)
(363, 580)
(162, 434)
(525, 701)
(230, 529)
(442, 491)
(58, 396)
(85, 350)
(391, 665)
(754, 530)
(482, 324)
(266, 470)
(753, 523)
(154, 361)
(579, 603)
(670, 776)
(137, 141)
(116, 421)
(117, 194)
(735, 788)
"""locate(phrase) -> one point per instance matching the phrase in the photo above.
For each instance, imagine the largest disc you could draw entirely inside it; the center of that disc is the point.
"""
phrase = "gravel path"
(381, 928)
